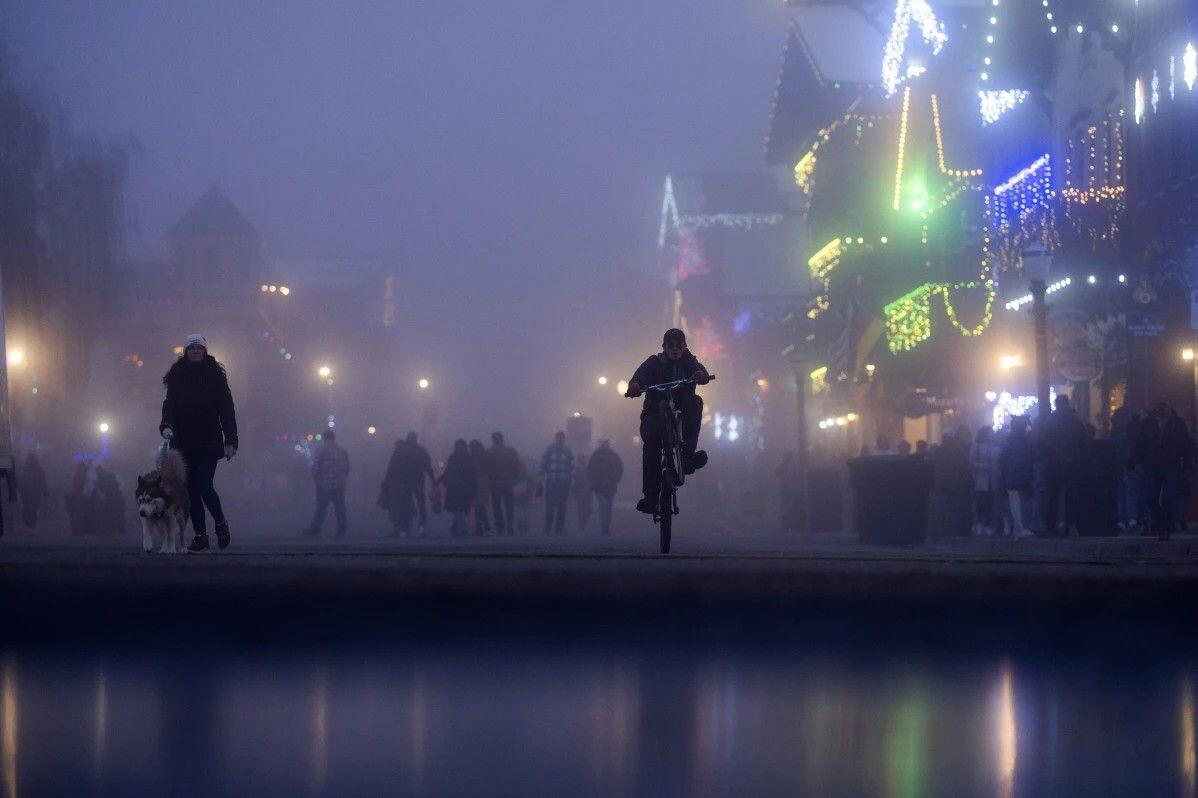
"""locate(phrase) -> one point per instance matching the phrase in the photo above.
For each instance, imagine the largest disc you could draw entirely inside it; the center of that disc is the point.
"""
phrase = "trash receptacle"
(825, 501)
(890, 498)
(1096, 504)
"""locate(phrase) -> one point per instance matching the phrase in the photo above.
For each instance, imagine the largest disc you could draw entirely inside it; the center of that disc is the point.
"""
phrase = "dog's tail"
(173, 466)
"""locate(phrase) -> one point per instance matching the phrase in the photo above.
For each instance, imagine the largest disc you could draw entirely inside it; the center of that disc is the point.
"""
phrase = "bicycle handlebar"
(665, 386)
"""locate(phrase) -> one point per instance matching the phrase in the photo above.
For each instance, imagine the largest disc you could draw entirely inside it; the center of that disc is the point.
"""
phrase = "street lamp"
(324, 372)
(423, 384)
(603, 380)
(16, 357)
(104, 427)
(1008, 362)
(1036, 262)
(371, 430)
(1187, 355)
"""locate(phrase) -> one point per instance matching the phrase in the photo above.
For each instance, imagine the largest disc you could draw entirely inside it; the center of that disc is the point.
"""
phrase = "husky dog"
(164, 507)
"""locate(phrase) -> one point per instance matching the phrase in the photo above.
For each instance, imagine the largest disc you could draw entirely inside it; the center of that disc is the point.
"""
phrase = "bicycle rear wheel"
(665, 512)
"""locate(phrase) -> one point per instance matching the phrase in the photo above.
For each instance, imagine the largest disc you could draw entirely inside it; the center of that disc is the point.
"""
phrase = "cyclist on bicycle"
(674, 362)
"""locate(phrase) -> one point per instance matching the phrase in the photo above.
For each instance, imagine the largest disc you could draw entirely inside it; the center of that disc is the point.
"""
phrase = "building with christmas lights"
(991, 130)
(730, 244)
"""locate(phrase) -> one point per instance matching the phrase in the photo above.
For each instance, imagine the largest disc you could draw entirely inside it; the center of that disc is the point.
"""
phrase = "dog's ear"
(141, 482)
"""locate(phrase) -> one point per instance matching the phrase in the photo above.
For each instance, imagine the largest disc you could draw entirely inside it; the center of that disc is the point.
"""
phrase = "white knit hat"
(195, 339)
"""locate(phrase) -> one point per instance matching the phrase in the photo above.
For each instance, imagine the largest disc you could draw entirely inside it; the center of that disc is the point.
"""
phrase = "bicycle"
(672, 466)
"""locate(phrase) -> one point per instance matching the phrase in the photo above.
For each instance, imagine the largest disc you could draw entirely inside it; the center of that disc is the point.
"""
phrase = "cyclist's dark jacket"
(658, 369)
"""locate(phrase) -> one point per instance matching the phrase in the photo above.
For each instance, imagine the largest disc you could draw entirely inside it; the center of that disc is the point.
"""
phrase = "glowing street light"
(1187, 354)
(371, 430)
(423, 384)
(104, 427)
(16, 357)
(603, 380)
(324, 371)
(1008, 362)
(284, 290)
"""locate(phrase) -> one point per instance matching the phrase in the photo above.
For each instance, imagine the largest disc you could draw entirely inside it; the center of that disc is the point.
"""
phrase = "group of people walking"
(493, 487)
(1135, 479)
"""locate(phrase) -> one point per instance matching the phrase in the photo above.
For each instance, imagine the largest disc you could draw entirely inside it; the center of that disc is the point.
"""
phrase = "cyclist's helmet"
(674, 335)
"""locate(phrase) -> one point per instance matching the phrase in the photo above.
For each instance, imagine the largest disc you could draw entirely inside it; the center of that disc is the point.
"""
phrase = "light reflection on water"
(534, 722)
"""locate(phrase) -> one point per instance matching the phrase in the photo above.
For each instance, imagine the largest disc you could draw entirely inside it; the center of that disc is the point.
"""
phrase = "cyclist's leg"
(650, 459)
(692, 422)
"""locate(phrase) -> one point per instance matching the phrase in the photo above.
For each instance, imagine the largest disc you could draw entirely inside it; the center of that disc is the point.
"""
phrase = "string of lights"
(1052, 288)
(995, 103)
(944, 170)
(893, 52)
(1093, 195)
(909, 318)
(902, 148)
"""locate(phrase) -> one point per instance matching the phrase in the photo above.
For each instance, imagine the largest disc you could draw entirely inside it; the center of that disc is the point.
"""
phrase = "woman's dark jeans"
(201, 468)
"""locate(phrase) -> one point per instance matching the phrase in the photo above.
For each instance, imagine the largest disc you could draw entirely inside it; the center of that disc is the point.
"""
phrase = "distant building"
(214, 257)
(731, 244)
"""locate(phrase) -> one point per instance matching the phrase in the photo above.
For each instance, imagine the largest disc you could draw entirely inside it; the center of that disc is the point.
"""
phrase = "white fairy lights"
(996, 103)
(906, 12)
(1016, 304)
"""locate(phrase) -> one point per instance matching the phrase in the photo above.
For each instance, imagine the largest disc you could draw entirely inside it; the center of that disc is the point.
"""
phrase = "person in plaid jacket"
(330, 469)
(557, 470)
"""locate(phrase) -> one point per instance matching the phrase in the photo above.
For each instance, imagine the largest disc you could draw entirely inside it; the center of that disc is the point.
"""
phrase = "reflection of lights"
(324, 371)
(870, 368)
(991, 396)
(320, 733)
(8, 727)
(603, 380)
(101, 720)
(1008, 362)
(104, 426)
(1187, 737)
(851, 416)
(274, 288)
(1122, 279)
(177, 351)
(1091, 279)
(577, 414)
(265, 288)
(1007, 751)
(371, 430)
(763, 384)
(1187, 354)
(16, 357)
(622, 387)
(841, 421)
(423, 384)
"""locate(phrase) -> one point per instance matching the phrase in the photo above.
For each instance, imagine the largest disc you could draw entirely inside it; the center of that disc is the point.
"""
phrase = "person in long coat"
(199, 421)
(461, 487)
(482, 497)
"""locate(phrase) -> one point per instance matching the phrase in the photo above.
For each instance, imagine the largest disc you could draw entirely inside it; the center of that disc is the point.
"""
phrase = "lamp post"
(1036, 263)
(1188, 356)
(326, 375)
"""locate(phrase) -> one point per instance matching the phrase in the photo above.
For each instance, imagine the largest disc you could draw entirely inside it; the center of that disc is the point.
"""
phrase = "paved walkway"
(721, 570)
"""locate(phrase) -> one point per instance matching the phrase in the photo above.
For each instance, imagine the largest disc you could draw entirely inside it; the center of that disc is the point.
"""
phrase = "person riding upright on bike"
(674, 362)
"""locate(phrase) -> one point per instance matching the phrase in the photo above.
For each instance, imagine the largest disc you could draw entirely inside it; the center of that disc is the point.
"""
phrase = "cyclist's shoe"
(199, 543)
(646, 505)
(696, 461)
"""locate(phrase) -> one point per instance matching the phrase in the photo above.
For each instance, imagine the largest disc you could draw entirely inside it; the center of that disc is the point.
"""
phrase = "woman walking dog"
(199, 421)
